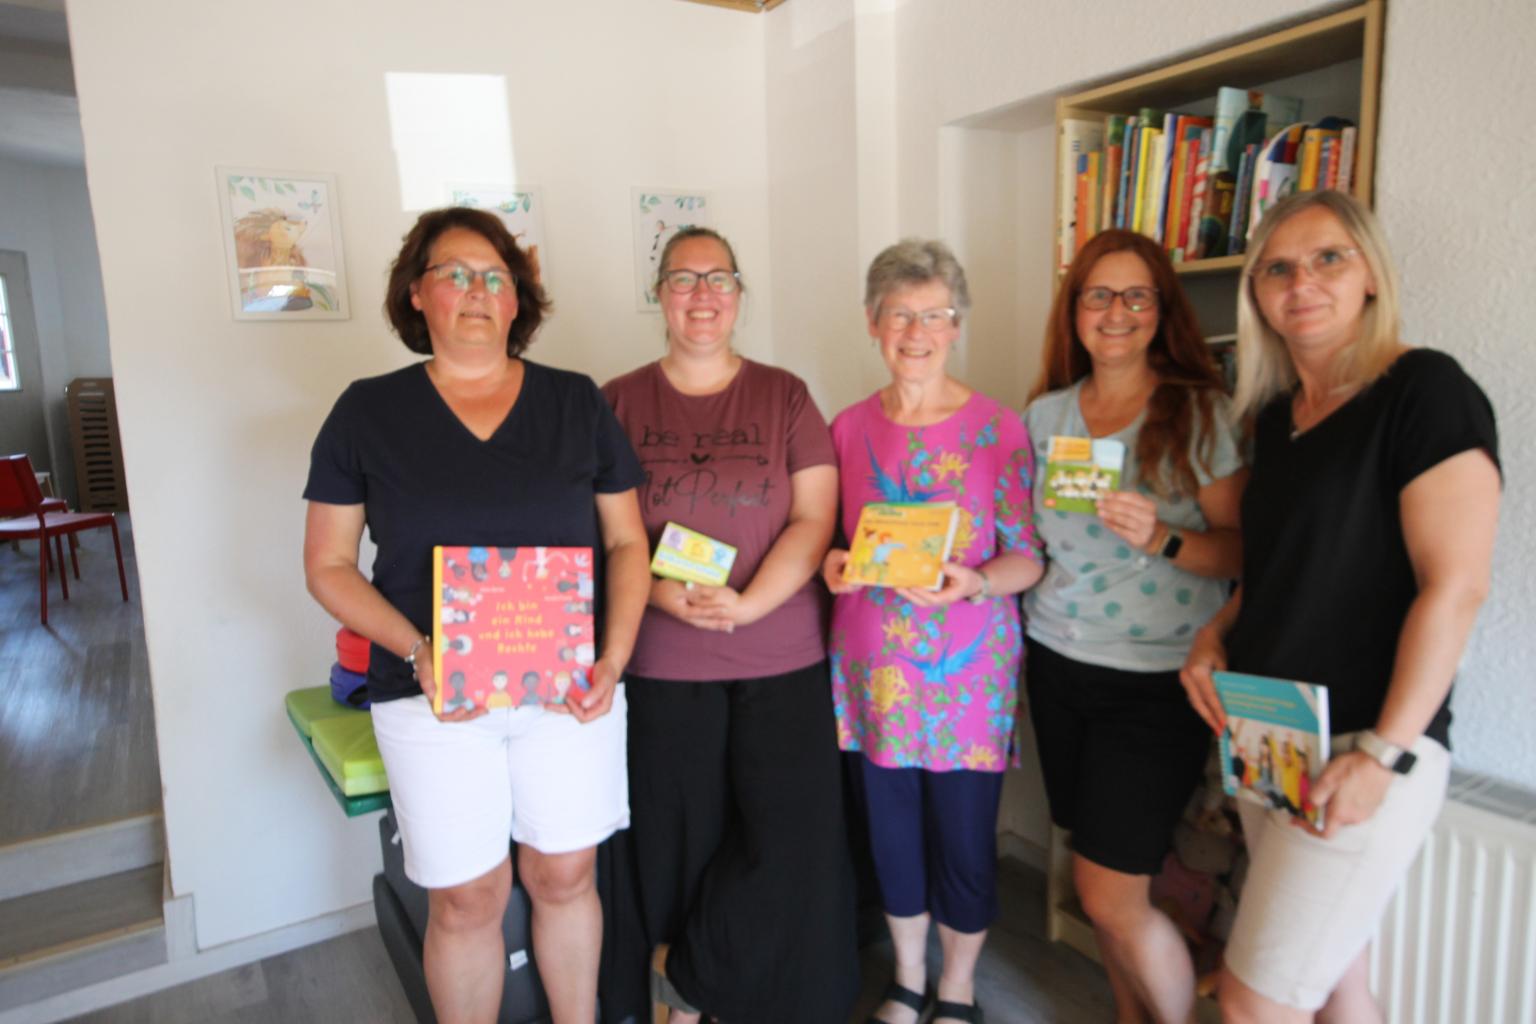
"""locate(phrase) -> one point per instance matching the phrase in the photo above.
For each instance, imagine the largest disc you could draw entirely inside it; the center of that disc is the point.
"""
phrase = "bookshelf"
(1333, 64)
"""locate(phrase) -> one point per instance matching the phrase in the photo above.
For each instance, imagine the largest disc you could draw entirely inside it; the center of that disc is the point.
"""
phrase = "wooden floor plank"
(77, 735)
(1021, 979)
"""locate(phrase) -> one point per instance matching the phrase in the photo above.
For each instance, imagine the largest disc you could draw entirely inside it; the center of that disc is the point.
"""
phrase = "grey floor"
(1022, 979)
(77, 735)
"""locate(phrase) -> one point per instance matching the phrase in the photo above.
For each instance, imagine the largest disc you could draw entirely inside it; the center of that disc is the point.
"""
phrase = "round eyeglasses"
(721, 282)
(1138, 299)
(928, 319)
(1324, 264)
(463, 278)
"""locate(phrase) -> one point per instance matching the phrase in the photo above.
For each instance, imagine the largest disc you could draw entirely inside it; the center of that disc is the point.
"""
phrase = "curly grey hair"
(916, 261)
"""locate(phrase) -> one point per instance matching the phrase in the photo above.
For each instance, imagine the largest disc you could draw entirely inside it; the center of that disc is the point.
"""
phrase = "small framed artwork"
(282, 242)
(658, 214)
(521, 209)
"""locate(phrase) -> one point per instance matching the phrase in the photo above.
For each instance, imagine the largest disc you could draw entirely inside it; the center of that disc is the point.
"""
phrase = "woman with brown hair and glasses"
(740, 845)
(478, 446)
(1125, 590)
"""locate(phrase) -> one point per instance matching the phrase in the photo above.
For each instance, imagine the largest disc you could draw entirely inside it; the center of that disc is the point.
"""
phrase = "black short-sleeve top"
(392, 445)
(1326, 577)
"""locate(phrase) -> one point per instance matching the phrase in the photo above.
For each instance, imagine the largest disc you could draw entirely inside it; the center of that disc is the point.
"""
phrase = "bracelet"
(985, 591)
(410, 659)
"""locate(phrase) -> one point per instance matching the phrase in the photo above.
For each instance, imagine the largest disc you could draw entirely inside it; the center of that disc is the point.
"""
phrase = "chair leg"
(117, 545)
(74, 559)
(58, 553)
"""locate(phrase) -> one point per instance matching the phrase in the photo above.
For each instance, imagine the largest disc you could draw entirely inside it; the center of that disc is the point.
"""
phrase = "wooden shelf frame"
(1355, 33)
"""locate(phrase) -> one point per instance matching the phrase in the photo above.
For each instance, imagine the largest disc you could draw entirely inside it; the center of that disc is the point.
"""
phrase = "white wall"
(218, 416)
(45, 212)
(826, 129)
(1458, 215)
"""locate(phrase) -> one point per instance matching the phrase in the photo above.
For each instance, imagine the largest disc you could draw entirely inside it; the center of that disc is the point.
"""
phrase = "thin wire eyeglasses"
(721, 282)
(1324, 264)
(1137, 299)
(928, 319)
(463, 278)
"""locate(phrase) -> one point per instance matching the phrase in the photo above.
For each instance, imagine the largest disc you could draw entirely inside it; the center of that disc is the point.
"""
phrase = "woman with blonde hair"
(1368, 542)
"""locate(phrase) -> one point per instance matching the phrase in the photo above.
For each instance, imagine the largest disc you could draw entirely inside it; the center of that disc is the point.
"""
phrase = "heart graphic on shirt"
(699, 458)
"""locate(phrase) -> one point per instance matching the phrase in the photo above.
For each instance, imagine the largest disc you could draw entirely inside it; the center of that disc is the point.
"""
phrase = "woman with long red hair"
(1126, 587)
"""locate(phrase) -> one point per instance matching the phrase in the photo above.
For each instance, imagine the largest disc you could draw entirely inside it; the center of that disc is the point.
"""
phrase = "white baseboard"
(1014, 847)
(177, 972)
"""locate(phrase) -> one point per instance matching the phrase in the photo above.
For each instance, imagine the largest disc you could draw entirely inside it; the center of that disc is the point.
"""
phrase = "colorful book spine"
(1143, 158)
(1237, 233)
(1080, 205)
(1114, 159)
(1164, 176)
(1123, 193)
(1175, 194)
(1078, 136)
(1328, 165)
(1200, 197)
(1187, 202)
(1095, 187)
(1148, 221)
(1348, 139)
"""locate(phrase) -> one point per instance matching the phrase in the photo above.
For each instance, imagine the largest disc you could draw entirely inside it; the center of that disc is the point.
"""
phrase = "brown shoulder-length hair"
(1182, 406)
(411, 262)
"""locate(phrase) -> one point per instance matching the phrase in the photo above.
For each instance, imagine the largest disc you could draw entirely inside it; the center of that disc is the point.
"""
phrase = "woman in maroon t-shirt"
(735, 791)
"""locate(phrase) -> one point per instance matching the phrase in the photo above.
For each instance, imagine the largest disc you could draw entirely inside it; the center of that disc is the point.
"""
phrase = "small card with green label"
(693, 557)
(1081, 470)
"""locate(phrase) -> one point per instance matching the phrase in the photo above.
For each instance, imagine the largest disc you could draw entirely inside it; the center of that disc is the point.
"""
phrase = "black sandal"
(969, 1013)
(897, 993)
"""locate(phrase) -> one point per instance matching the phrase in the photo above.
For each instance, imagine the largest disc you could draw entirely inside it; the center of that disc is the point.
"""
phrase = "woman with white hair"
(925, 683)
(1368, 528)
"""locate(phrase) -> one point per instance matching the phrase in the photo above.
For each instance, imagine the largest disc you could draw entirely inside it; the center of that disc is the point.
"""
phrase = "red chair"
(21, 497)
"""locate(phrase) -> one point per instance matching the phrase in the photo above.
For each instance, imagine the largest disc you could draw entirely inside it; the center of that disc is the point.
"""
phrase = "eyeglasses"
(928, 319)
(1324, 264)
(1137, 300)
(463, 278)
(721, 282)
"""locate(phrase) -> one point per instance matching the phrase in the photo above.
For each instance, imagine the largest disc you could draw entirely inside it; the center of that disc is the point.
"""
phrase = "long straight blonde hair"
(1264, 366)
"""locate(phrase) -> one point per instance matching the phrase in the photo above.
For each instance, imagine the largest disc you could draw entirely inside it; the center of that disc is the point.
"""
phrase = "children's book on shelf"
(1081, 470)
(1275, 743)
(902, 544)
(692, 557)
(1078, 138)
(511, 626)
(1274, 172)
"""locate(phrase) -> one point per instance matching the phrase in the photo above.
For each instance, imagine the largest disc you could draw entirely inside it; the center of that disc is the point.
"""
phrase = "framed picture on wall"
(282, 244)
(658, 214)
(520, 207)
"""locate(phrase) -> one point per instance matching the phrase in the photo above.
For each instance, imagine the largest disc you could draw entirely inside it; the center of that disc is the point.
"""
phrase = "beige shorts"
(462, 790)
(1310, 905)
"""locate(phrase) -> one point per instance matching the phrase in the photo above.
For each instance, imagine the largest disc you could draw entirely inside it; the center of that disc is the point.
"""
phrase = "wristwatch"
(1384, 752)
(1172, 544)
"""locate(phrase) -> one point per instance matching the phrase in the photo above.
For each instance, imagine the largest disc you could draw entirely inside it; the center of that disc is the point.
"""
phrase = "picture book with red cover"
(511, 627)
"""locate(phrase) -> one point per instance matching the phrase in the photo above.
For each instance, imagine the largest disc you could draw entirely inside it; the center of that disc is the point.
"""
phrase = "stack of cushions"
(341, 739)
(349, 676)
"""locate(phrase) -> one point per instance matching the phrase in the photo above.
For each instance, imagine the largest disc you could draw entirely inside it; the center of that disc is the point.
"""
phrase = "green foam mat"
(348, 750)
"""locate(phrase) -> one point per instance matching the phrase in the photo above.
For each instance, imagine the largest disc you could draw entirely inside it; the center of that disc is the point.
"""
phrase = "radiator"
(1458, 942)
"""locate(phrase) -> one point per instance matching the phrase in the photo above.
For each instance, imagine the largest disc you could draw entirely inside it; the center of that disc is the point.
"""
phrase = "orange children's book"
(902, 544)
(511, 627)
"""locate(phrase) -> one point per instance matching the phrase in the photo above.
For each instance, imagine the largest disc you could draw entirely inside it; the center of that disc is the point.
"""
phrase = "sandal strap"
(968, 1012)
(896, 993)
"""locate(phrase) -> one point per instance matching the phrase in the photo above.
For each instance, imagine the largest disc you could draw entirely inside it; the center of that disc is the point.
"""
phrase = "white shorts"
(462, 789)
(1310, 905)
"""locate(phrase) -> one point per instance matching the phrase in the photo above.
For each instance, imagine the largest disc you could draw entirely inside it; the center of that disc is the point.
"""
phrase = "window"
(9, 380)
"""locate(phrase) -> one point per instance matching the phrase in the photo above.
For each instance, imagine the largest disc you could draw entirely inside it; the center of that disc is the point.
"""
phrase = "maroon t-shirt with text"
(720, 464)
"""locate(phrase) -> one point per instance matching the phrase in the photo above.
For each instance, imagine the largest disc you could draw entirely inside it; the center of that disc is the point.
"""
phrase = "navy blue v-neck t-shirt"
(392, 445)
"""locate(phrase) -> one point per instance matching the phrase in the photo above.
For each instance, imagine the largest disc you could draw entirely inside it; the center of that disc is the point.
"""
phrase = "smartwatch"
(1172, 545)
(1384, 752)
